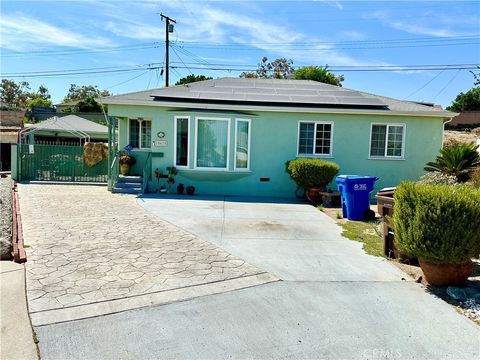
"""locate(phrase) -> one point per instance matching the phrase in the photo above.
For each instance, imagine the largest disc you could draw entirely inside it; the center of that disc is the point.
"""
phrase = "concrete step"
(129, 179)
(128, 184)
(127, 190)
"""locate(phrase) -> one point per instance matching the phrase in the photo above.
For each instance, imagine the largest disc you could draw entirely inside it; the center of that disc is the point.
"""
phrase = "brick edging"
(18, 252)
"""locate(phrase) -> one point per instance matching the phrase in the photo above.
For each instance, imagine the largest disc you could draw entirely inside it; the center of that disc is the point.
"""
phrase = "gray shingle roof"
(71, 122)
(275, 93)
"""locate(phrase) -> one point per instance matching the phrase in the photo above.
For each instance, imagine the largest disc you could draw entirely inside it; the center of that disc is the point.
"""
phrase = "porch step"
(129, 179)
(128, 185)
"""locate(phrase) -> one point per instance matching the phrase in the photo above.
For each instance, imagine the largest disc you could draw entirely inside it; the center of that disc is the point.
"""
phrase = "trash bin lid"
(357, 177)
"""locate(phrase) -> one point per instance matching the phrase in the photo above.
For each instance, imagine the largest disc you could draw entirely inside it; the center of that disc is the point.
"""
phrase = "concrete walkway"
(292, 240)
(93, 253)
(16, 336)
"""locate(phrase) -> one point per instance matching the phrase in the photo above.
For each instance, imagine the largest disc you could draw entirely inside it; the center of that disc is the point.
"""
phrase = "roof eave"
(204, 106)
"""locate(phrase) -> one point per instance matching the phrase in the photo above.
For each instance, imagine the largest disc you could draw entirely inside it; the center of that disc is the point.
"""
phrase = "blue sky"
(120, 35)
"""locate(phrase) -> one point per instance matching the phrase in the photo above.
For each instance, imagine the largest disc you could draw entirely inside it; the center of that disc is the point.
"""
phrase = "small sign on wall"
(31, 149)
(159, 143)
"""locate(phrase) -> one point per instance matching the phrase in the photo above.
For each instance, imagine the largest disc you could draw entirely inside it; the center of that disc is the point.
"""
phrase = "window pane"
(134, 133)
(212, 138)
(146, 134)
(377, 146)
(395, 140)
(241, 147)
(323, 139)
(182, 142)
(305, 141)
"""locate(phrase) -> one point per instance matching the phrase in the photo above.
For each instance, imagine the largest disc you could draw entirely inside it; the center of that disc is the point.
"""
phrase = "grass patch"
(366, 233)
(321, 208)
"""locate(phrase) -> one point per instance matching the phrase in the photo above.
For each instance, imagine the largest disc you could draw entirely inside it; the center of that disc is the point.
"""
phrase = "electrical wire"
(424, 85)
(446, 85)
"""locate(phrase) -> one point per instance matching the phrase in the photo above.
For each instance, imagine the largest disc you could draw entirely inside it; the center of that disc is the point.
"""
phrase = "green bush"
(457, 160)
(439, 224)
(308, 172)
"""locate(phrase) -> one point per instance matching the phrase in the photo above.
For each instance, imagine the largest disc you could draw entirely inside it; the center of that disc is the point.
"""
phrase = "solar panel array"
(269, 91)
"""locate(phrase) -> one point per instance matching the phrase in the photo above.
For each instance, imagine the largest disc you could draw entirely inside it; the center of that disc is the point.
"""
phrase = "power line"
(446, 85)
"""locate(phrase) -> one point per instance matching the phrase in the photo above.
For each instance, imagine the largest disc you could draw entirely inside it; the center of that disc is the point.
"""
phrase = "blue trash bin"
(355, 194)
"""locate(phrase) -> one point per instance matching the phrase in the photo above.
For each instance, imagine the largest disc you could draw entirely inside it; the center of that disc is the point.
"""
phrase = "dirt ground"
(451, 137)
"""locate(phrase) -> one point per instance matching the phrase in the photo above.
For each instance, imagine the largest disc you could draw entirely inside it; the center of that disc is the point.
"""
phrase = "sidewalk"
(16, 340)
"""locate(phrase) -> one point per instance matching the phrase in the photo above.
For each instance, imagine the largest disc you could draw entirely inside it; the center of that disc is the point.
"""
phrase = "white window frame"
(139, 133)
(330, 154)
(196, 167)
(248, 121)
(385, 156)
(175, 142)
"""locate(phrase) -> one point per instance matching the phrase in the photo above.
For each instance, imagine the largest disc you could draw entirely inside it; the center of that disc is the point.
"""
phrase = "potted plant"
(180, 189)
(312, 175)
(172, 171)
(440, 225)
(126, 161)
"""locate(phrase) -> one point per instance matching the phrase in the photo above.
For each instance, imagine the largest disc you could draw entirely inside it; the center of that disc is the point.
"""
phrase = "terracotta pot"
(446, 274)
(124, 169)
(180, 188)
(313, 195)
(190, 190)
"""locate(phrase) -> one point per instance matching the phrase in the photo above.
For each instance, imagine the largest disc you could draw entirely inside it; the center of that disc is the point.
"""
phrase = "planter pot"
(124, 169)
(446, 274)
(180, 189)
(313, 195)
(190, 190)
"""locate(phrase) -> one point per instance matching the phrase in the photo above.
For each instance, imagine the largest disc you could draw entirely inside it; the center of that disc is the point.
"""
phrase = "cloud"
(417, 27)
(20, 32)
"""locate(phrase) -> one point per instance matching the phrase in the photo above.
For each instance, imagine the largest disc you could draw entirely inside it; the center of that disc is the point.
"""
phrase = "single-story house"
(232, 136)
(65, 130)
(11, 123)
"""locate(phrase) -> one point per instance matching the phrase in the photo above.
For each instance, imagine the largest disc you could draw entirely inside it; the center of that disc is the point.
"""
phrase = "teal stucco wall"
(274, 141)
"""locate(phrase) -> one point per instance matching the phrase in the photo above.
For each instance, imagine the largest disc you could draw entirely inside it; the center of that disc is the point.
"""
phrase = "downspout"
(443, 133)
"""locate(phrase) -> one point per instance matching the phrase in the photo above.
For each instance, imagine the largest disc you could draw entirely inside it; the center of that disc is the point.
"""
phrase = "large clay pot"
(313, 195)
(446, 274)
(190, 190)
(124, 169)
(180, 188)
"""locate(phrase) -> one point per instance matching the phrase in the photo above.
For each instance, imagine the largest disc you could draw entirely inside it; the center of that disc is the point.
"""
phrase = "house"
(11, 122)
(65, 130)
(232, 136)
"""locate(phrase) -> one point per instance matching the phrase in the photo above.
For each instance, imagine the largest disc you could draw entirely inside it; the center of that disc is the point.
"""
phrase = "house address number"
(159, 143)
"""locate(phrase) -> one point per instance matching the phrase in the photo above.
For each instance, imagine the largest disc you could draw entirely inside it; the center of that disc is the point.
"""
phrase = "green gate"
(58, 163)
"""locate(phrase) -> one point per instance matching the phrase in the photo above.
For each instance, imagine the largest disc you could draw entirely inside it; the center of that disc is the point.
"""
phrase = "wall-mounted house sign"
(159, 143)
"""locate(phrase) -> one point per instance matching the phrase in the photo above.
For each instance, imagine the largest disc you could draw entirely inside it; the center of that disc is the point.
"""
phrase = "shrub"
(437, 178)
(439, 224)
(475, 177)
(308, 173)
(458, 160)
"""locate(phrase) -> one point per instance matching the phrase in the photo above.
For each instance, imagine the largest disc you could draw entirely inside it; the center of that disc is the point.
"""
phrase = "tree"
(280, 68)
(476, 76)
(88, 105)
(318, 73)
(468, 101)
(13, 94)
(76, 92)
(192, 78)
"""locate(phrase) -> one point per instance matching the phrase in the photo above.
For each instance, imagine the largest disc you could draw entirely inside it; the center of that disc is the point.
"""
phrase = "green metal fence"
(58, 163)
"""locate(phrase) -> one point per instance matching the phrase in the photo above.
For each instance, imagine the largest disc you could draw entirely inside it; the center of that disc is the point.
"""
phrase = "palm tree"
(458, 160)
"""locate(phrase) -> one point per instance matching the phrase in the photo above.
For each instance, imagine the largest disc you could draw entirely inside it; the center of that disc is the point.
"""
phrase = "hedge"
(308, 172)
(439, 224)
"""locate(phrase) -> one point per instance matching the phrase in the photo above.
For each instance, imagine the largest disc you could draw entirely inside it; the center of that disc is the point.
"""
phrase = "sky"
(120, 45)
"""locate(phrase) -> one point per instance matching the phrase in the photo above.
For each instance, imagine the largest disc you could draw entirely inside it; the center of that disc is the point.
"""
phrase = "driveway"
(334, 302)
(93, 253)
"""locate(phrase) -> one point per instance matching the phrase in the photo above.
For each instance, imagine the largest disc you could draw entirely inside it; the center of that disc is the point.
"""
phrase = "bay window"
(242, 144)
(182, 140)
(212, 143)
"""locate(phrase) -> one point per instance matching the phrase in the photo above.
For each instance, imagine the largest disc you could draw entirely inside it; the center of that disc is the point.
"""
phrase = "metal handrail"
(114, 171)
(147, 173)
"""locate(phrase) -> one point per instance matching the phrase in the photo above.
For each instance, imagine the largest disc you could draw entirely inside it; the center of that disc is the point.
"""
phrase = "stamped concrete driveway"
(334, 302)
(92, 253)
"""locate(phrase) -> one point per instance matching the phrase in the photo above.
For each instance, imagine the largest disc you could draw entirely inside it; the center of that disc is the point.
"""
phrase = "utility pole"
(168, 30)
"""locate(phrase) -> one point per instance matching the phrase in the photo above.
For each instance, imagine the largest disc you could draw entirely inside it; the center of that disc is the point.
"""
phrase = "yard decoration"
(126, 162)
(172, 171)
(459, 160)
(441, 226)
(158, 175)
(190, 190)
(312, 175)
(93, 153)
